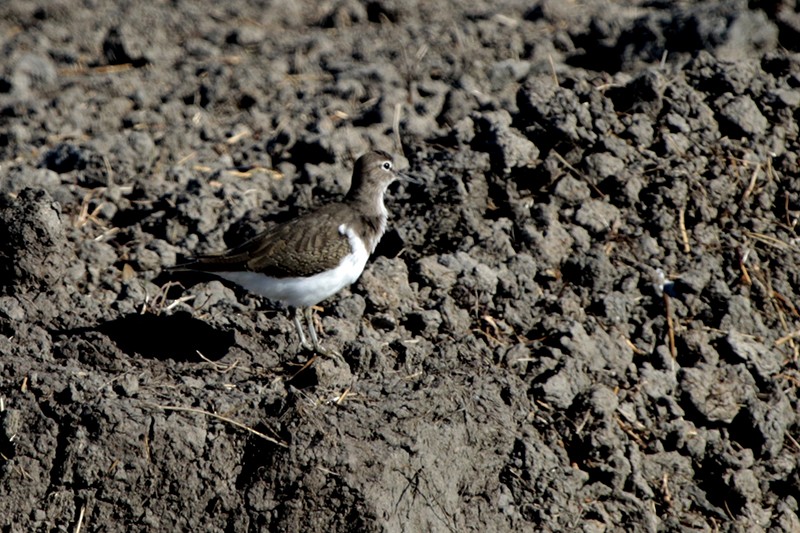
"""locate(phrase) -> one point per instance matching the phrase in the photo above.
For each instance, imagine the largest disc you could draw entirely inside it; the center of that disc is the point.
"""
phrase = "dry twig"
(682, 225)
(671, 327)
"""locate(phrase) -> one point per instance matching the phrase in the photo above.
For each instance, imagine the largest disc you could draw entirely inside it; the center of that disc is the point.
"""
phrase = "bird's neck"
(372, 213)
(369, 201)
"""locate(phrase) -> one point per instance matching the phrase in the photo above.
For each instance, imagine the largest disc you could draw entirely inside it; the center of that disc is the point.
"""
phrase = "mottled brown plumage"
(301, 247)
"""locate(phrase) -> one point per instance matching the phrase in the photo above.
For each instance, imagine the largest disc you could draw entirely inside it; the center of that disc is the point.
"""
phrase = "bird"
(308, 259)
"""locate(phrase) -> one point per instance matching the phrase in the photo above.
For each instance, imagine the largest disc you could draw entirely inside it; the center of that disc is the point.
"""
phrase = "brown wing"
(300, 247)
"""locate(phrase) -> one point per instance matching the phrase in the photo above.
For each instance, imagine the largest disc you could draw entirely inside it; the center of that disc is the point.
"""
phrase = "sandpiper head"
(373, 170)
(372, 175)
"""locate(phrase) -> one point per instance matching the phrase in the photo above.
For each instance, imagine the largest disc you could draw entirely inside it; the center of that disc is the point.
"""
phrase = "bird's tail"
(206, 263)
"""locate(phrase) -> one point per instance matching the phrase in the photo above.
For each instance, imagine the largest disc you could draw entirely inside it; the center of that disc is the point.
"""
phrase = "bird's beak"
(409, 178)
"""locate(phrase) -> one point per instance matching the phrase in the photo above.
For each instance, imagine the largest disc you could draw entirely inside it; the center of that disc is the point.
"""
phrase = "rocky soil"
(586, 319)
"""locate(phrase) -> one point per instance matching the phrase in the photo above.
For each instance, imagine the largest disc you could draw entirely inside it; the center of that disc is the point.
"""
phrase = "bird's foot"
(330, 353)
(314, 346)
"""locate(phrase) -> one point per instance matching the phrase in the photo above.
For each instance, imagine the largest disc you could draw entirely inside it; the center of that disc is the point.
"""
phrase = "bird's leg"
(313, 331)
(303, 341)
(315, 340)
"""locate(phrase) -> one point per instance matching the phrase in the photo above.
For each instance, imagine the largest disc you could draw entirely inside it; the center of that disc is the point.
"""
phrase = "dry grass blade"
(79, 525)
(745, 274)
(344, 395)
(305, 366)
(186, 158)
(766, 239)
(233, 139)
(752, 186)
(247, 173)
(787, 338)
(156, 304)
(578, 173)
(88, 214)
(222, 369)
(398, 111)
(665, 489)
(225, 419)
(634, 348)
(793, 441)
(81, 70)
(552, 68)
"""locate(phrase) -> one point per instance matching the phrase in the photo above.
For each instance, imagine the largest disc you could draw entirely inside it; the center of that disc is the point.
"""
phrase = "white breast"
(304, 292)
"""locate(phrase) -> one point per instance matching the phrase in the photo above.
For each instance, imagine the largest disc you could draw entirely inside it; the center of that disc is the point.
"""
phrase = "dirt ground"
(585, 319)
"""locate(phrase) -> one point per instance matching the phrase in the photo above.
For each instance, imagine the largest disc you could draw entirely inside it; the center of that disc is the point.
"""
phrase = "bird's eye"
(387, 165)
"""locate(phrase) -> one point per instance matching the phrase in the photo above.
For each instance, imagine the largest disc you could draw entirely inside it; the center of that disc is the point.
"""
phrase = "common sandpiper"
(312, 257)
